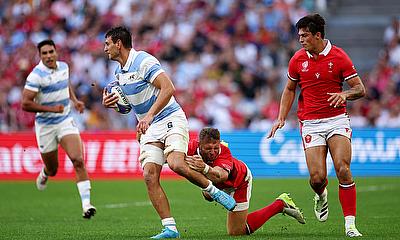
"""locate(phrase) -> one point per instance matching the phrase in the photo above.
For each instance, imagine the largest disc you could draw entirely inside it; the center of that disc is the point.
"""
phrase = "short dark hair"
(121, 33)
(314, 22)
(209, 134)
(46, 42)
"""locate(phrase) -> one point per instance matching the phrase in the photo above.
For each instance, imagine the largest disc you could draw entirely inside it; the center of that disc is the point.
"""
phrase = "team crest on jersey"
(305, 66)
(330, 66)
(307, 138)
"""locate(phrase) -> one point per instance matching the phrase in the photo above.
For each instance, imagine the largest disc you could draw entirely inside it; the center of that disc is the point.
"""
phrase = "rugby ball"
(123, 104)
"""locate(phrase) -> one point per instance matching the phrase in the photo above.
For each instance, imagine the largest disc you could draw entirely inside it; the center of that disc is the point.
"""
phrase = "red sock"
(257, 218)
(347, 198)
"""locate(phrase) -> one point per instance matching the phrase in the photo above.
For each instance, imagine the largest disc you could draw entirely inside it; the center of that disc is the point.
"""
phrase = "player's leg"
(50, 160)
(316, 163)
(255, 219)
(175, 150)
(177, 164)
(236, 223)
(48, 147)
(72, 144)
(239, 222)
(152, 160)
(237, 219)
(283, 204)
(340, 149)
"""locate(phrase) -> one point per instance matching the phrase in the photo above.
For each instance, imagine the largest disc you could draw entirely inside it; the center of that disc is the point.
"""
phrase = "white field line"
(376, 188)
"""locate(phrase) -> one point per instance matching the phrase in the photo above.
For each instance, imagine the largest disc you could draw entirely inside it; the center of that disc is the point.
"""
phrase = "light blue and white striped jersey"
(52, 86)
(136, 79)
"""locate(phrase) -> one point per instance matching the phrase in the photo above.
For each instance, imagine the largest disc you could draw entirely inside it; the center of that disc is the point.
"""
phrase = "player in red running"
(320, 69)
(214, 159)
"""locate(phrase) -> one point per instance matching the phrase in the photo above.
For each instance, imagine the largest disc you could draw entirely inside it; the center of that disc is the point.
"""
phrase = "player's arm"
(216, 174)
(167, 90)
(79, 105)
(28, 104)
(288, 95)
(356, 91)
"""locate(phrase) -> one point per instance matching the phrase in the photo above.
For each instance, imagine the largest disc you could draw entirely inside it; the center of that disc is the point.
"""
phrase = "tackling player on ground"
(213, 159)
(320, 69)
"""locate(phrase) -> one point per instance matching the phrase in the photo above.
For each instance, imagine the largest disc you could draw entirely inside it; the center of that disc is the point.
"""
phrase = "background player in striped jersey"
(162, 124)
(320, 69)
(48, 93)
(214, 159)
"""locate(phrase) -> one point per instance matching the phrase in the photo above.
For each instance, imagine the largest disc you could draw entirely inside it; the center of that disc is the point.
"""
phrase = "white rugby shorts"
(172, 131)
(48, 136)
(316, 132)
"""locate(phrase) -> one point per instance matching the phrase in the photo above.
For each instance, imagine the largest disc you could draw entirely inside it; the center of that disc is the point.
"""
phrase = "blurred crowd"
(227, 58)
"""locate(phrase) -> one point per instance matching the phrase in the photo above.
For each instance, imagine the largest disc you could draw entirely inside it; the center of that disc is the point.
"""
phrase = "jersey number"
(169, 125)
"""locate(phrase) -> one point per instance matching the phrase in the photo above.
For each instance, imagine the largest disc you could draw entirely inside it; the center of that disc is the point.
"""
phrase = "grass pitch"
(124, 211)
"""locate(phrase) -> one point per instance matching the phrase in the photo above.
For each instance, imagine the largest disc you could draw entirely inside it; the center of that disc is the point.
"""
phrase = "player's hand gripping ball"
(123, 104)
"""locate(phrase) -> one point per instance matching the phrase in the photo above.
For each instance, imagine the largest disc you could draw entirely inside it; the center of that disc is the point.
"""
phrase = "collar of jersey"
(47, 69)
(131, 57)
(324, 52)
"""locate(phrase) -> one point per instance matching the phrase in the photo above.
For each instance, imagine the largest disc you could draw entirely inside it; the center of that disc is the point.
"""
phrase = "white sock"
(43, 173)
(169, 223)
(84, 190)
(211, 189)
(349, 220)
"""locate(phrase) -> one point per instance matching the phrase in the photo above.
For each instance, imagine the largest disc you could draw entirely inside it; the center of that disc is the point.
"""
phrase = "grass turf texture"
(124, 211)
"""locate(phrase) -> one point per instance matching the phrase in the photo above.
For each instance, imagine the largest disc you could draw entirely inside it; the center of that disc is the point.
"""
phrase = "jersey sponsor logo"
(305, 66)
(317, 75)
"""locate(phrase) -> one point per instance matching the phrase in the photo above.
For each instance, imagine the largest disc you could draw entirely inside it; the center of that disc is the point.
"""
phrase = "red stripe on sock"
(257, 218)
(348, 200)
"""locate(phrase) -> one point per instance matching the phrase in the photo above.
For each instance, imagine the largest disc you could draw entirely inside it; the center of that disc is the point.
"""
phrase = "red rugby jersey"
(317, 77)
(236, 168)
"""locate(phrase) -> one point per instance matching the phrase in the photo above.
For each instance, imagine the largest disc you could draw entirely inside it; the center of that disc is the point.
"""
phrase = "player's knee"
(317, 180)
(151, 177)
(343, 173)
